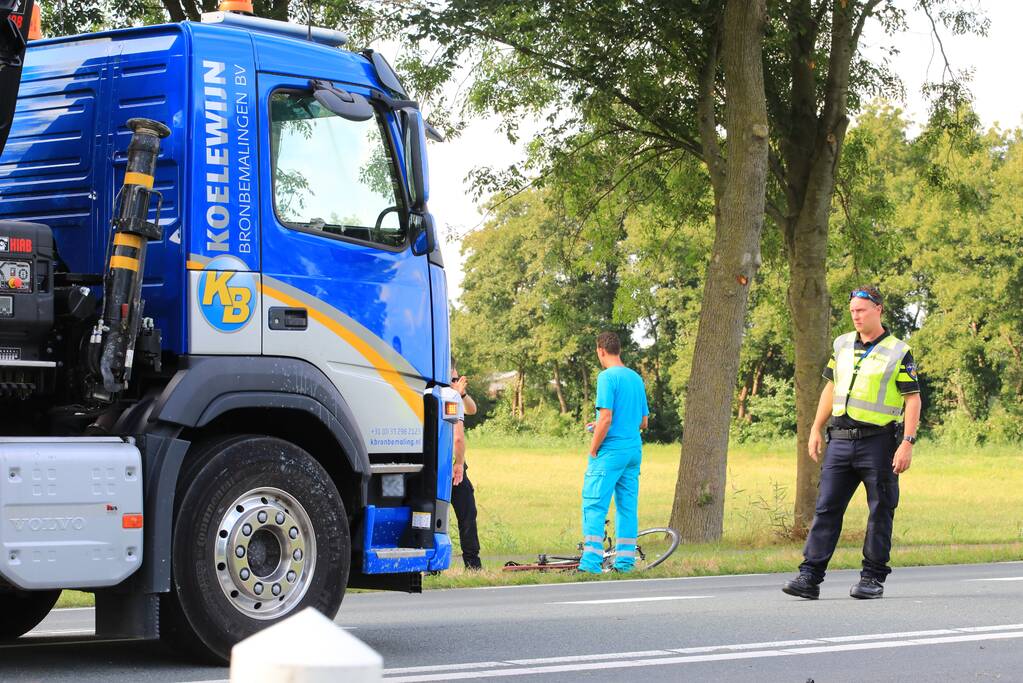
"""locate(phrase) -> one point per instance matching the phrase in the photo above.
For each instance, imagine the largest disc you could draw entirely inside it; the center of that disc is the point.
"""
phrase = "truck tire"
(260, 534)
(21, 611)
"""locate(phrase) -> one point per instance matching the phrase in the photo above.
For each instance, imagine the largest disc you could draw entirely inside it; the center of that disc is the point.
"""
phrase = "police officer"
(872, 383)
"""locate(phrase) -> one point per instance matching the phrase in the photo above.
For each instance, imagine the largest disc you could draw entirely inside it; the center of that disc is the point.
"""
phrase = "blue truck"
(224, 351)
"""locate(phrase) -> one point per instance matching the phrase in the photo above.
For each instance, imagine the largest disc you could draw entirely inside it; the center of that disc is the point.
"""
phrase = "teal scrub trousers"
(611, 473)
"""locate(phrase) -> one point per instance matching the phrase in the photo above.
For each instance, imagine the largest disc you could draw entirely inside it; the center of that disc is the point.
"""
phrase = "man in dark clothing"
(463, 496)
(872, 385)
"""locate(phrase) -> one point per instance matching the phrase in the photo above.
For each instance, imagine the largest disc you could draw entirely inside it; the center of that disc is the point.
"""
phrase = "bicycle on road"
(653, 546)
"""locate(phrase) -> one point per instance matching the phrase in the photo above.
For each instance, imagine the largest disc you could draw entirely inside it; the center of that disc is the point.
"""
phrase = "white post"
(305, 648)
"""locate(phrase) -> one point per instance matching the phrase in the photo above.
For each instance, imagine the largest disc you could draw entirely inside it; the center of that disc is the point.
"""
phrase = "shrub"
(772, 414)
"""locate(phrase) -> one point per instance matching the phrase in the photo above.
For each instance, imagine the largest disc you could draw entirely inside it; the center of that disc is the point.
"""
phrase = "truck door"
(341, 287)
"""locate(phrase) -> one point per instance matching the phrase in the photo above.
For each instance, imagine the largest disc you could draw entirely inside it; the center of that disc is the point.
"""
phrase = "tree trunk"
(520, 394)
(584, 375)
(810, 304)
(741, 414)
(812, 169)
(517, 412)
(758, 377)
(964, 405)
(698, 511)
(558, 390)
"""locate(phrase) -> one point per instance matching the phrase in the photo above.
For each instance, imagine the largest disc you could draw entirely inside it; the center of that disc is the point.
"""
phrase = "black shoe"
(867, 589)
(802, 587)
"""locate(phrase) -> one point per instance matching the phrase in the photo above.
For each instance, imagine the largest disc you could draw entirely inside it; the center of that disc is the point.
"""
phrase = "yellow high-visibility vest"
(866, 389)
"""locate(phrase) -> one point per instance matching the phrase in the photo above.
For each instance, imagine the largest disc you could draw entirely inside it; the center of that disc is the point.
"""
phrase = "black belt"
(861, 432)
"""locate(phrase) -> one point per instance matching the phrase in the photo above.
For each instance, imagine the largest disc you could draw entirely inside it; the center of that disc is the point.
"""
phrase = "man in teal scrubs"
(615, 454)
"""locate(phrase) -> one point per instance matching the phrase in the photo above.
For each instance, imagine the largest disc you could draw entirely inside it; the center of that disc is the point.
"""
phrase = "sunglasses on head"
(863, 294)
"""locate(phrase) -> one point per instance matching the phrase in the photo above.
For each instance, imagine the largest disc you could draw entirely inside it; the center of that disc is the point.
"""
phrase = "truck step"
(395, 553)
(395, 468)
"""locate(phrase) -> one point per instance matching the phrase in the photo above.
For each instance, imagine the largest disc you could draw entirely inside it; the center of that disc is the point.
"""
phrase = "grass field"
(956, 506)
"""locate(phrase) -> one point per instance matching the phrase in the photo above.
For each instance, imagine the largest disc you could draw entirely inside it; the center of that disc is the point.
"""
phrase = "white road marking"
(784, 648)
(984, 629)
(621, 600)
(1003, 578)
(584, 658)
(447, 667)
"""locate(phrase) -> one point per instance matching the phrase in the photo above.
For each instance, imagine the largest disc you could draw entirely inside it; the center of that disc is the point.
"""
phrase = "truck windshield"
(333, 175)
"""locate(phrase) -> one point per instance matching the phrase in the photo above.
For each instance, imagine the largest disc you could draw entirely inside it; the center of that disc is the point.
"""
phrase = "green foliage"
(540, 426)
(771, 417)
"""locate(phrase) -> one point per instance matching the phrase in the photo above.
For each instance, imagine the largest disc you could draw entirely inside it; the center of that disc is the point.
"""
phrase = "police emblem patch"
(911, 370)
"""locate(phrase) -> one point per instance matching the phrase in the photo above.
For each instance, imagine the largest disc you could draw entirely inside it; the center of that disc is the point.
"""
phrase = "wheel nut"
(239, 551)
(280, 518)
(293, 532)
(244, 574)
(276, 590)
(261, 517)
(297, 554)
(247, 529)
(292, 576)
(258, 589)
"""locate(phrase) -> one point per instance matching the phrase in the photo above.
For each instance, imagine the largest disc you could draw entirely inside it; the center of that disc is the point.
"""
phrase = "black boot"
(867, 589)
(802, 587)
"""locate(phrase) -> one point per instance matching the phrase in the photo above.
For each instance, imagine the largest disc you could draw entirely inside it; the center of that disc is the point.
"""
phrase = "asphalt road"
(956, 623)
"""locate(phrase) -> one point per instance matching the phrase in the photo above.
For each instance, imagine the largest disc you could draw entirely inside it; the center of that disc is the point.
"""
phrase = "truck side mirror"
(425, 241)
(432, 133)
(385, 73)
(415, 159)
(348, 105)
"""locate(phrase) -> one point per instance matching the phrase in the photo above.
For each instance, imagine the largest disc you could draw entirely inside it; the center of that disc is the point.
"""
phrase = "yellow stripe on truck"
(124, 239)
(390, 374)
(133, 178)
(126, 262)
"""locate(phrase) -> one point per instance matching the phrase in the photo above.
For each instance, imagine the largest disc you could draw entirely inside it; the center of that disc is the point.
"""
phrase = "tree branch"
(778, 170)
(174, 9)
(937, 36)
(711, 148)
(776, 215)
(868, 11)
(568, 70)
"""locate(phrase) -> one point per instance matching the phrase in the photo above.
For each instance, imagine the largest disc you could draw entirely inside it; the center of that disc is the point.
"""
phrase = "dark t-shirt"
(907, 380)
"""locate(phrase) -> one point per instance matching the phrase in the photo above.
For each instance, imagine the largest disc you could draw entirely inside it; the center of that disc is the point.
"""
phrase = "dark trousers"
(846, 464)
(463, 500)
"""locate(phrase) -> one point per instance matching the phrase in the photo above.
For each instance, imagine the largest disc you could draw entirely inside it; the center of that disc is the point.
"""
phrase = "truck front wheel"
(261, 533)
(21, 611)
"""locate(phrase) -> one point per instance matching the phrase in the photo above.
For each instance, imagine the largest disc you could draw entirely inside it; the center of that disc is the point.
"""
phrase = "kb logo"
(226, 297)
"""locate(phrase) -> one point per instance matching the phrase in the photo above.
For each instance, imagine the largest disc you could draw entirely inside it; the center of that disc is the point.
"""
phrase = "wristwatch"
(910, 439)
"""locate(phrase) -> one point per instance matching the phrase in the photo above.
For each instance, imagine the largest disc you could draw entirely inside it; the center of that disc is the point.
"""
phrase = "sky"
(996, 61)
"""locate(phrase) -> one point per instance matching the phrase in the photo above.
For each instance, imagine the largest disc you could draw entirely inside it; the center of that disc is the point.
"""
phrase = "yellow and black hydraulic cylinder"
(122, 286)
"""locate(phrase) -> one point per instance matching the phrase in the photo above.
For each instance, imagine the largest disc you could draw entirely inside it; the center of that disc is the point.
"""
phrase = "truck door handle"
(282, 318)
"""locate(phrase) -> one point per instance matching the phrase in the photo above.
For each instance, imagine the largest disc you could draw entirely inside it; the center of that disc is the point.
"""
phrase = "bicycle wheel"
(653, 546)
